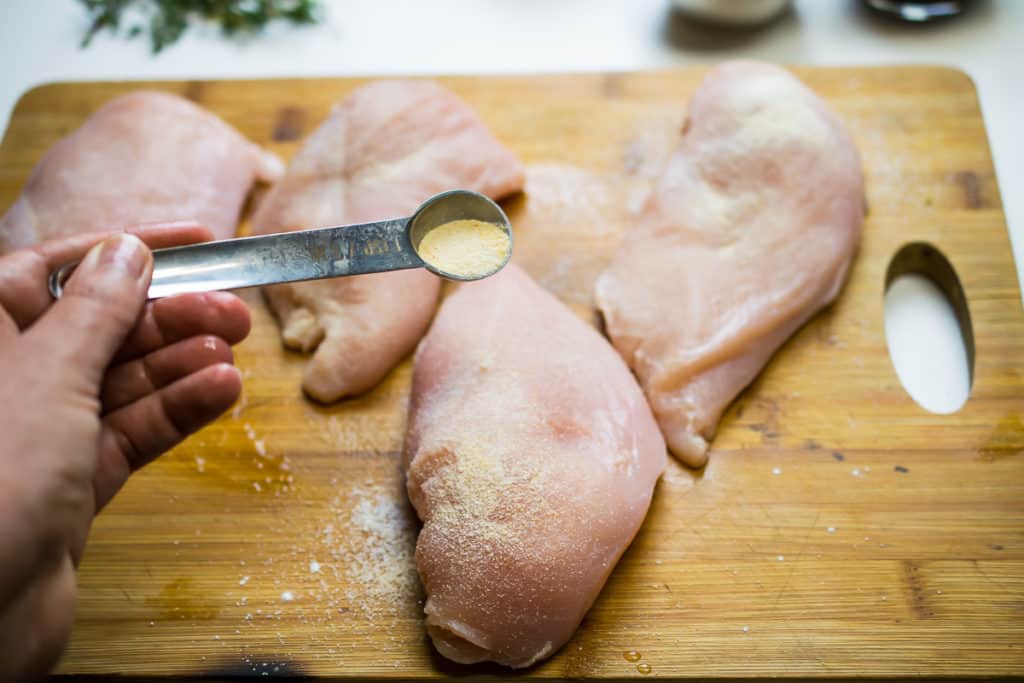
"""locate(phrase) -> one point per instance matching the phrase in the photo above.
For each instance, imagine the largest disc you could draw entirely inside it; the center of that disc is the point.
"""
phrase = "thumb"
(100, 305)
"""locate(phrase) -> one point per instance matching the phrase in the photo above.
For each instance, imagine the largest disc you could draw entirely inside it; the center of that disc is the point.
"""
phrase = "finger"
(80, 334)
(24, 292)
(167, 321)
(131, 381)
(8, 328)
(155, 235)
(139, 432)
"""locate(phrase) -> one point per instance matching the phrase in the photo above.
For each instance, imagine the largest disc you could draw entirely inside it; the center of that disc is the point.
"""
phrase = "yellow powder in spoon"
(467, 248)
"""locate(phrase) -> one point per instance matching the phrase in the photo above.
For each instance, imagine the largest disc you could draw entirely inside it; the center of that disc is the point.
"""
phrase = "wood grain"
(889, 543)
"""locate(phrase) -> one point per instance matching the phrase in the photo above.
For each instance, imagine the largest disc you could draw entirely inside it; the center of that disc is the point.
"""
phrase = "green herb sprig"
(166, 20)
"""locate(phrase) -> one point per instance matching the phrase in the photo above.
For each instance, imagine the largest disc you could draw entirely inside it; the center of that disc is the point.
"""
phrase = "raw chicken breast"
(385, 149)
(143, 157)
(531, 458)
(749, 232)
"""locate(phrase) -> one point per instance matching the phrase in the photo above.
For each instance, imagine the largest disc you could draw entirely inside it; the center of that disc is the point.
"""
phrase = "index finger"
(24, 291)
(156, 236)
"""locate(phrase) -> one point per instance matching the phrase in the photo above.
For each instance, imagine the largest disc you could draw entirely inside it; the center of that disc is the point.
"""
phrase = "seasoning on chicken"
(531, 458)
(749, 232)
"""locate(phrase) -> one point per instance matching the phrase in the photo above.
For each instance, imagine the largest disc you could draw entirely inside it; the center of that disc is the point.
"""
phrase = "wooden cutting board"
(839, 529)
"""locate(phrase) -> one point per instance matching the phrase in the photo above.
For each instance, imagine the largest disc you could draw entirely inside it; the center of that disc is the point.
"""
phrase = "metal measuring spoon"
(312, 254)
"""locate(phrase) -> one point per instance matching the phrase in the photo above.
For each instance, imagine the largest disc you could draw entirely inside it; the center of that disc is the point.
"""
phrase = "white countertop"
(40, 38)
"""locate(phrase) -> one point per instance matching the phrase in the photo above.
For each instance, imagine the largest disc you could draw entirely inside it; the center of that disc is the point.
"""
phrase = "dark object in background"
(168, 19)
(919, 11)
(730, 13)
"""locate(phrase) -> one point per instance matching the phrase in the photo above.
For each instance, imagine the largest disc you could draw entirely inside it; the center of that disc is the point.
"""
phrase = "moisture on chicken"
(143, 157)
(531, 458)
(385, 149)
(749, 232)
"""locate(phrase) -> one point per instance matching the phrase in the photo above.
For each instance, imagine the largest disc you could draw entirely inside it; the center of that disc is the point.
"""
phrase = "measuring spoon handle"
(272, 259)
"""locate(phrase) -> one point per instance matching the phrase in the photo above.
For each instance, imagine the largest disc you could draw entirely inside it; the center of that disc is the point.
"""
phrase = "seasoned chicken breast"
(749, 232)
(531, 458)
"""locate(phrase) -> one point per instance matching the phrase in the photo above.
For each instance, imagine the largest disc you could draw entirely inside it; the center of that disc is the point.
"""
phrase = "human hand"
(94, 386)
